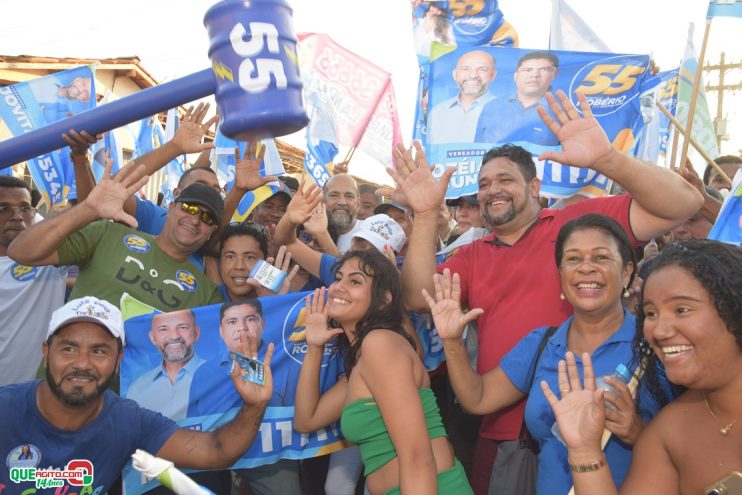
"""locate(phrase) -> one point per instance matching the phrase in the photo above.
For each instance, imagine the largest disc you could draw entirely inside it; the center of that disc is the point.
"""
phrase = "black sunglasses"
(205, 215)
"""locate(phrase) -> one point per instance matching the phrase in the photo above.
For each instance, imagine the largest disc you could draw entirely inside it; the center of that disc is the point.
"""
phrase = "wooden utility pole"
(721, 87)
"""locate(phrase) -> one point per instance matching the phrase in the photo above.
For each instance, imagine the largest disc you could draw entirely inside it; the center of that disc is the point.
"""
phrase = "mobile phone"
(268, 275)
(252, 369)
(730, 484)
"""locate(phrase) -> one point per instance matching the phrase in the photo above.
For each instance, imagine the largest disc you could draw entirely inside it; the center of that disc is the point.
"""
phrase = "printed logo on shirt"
(186, 280)
(23, 273)
(136, 243)
(294, 336)
(77, 472)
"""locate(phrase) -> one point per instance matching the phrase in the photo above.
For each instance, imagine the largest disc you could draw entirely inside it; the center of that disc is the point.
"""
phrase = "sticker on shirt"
(23, 273)
(187, 280)
(25, 455)
(135, 243)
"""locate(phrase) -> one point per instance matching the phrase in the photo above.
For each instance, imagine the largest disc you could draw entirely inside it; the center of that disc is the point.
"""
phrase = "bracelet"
(587, 468)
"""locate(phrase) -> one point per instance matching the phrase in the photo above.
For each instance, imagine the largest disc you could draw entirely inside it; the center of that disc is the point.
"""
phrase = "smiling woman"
(385, 405)
(691, 316)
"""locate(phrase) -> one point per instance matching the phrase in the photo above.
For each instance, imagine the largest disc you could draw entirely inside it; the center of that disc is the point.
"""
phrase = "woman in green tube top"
(385, 400)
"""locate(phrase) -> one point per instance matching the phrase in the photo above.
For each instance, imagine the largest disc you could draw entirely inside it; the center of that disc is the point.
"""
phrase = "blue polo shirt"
(508, 121)
(153, 389)
(450, 123)
(554, 476)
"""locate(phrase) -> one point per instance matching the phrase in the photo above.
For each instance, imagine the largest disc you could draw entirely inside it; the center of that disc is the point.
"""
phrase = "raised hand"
(315, 321)
(282, 261)
(415, 183)
(251, 393)
(449, 319)
(302, 204)
(107, 198)
(623, 420)
(317, 222)
(583, 141)
(188, 136)
(247, 169)
(580, 413)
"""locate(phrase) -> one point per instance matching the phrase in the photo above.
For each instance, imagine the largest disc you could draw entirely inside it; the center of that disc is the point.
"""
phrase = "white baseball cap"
(381, 230)
(90, 309)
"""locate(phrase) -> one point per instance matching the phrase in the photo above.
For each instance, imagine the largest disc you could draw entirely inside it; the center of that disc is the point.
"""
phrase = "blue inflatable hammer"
(254, 76)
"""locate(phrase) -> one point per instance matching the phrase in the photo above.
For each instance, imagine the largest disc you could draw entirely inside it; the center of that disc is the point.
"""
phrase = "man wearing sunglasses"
(115, 259)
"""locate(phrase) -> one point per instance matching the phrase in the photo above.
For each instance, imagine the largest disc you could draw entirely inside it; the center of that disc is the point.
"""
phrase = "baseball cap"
(384, 207)
(381, 230)
(471, 199)
(201, 194)
(90, 309)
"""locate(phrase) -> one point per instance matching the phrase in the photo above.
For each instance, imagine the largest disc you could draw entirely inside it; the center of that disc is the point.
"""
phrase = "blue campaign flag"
(728, 226)
(104, 151)
(653, 129)
(208, 398)
(33, 104)
(175, 168)
(319, 153)
(724, 8)
(150, 136)
(497, 108)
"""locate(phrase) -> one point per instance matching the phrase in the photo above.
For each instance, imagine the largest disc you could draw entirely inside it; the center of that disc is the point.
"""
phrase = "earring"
(626, 293)
(561, 296)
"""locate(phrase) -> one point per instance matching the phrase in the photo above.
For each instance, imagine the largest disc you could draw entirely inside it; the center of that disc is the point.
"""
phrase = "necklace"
(724, 430)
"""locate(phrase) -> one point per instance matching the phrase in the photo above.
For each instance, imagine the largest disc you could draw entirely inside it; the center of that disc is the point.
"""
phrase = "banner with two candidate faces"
(480, 97)
(178, 363)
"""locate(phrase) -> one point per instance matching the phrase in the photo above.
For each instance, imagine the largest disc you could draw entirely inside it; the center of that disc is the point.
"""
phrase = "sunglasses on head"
(206, 216)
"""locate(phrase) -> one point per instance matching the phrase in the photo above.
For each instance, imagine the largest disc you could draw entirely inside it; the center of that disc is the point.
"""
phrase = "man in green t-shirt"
(115, 259)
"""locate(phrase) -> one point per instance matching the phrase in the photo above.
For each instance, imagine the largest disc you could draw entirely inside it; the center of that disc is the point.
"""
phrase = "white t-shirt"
(344, 239)
(28, 297)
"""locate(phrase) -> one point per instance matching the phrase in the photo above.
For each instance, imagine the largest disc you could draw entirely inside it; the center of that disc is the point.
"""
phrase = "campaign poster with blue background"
(33, 104)
(508, 84)
(208, 395)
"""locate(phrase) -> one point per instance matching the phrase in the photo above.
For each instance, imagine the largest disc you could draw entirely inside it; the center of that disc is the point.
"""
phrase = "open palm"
(315, 322)
(449, 319)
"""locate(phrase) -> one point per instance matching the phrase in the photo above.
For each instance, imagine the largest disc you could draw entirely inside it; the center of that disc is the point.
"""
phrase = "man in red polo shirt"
(511, 274)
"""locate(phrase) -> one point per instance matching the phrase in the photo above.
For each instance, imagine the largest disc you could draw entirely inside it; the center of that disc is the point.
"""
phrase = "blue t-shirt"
(554, 476)
(151, 219)
(108, 441)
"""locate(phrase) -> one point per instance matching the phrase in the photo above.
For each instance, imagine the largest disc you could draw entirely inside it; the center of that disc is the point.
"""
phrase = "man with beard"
(515, 118)
(455, 120)
(71, 416)
(166, 388)
(511, 273)
(342, 203)
(28, 295)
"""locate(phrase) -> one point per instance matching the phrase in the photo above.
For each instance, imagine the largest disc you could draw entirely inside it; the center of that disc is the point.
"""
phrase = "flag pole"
(694, 95)
(674, 154)
(679, 129)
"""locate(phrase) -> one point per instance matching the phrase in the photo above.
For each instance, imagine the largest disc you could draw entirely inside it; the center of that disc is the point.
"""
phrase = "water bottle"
(621, 373)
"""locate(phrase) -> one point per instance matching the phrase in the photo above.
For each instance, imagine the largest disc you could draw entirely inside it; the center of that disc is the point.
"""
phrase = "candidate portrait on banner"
(158, 343)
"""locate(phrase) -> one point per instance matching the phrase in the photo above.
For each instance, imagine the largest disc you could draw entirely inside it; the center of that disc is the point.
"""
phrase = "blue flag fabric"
(654, 127)
(211, 392)
(150, 136)
(611, 82)
(319, 153)
(724, 8)
(728, 226)
(33, 104)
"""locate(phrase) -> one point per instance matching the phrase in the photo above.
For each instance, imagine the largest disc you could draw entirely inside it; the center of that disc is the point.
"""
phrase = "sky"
(171, 41)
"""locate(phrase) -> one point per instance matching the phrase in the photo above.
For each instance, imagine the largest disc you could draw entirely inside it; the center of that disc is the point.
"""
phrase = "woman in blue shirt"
(596, 264)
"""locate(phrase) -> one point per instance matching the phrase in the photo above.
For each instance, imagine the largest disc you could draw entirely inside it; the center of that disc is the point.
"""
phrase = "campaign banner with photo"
(484, 97)
(203, 396)
(33, 104)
